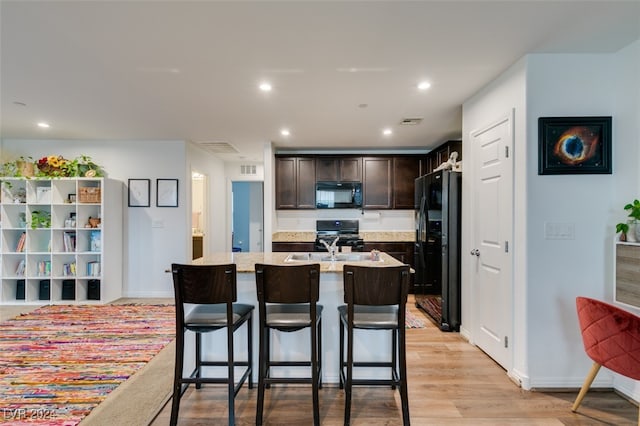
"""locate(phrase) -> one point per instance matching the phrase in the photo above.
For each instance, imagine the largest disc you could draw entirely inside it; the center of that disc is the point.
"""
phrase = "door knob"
(475, 252)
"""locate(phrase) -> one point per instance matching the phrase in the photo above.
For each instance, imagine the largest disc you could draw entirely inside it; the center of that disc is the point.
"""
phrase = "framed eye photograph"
(139, 192)
(574, 145)
(167, 192)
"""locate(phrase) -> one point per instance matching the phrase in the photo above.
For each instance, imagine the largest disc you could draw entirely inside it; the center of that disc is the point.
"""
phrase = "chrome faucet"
(332, 249)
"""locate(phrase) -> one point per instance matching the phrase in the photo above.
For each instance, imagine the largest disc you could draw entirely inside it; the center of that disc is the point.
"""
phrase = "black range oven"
(345, 230)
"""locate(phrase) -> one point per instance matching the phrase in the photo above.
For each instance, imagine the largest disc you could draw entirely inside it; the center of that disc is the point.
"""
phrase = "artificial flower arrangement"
(53, 166)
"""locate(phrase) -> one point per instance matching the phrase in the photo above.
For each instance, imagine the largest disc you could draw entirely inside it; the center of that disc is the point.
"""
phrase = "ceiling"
(341, 71)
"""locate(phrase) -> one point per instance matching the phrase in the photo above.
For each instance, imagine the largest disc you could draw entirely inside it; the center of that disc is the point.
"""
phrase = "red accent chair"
(611, 338)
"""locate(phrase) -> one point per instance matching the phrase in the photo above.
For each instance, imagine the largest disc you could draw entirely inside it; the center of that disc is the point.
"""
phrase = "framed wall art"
(574, 145)
(139, 192)
(167, 192)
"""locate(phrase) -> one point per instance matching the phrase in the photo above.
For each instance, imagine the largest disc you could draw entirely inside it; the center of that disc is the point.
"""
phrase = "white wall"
(153, 237)
(370, 220)
(549, 274)
(560, 270)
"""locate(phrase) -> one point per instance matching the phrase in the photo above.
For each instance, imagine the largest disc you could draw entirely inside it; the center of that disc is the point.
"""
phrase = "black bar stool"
(287, 301)
(376, 299)
(212, 289)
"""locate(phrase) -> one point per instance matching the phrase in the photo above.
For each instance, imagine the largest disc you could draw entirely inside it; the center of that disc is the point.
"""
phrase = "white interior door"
(492, 249)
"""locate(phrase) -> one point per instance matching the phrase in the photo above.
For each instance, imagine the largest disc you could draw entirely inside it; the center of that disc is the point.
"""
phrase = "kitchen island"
(368, 345)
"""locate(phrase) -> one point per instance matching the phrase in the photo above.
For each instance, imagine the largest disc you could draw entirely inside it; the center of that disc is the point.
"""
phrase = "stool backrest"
(204, 284)
(611, 336)
(372, 285)
(287, 284)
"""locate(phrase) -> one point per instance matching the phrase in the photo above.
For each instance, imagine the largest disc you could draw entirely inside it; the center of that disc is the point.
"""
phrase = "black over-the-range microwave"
(338, 195)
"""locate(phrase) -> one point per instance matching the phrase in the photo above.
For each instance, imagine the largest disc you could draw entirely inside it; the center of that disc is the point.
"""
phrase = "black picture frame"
(574, 145)
(166, 192)
(139, 192)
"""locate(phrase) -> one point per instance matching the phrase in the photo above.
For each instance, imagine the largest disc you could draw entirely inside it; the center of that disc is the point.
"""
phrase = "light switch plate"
(559, 231)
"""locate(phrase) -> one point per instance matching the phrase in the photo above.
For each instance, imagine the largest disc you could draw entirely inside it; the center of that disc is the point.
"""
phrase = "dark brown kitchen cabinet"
(338, 169)
(403, 251)
(295, 183)
(441, 154)
(377, 182)
(294, 247)
(405, 172)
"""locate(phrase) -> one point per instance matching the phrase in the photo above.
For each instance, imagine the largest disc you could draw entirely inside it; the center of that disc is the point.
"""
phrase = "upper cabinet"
(387, 180)
(405, 171)
(339, 169)
(295, 183)
(377, 182)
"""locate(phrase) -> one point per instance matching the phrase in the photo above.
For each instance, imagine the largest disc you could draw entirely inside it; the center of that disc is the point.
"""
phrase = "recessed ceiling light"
(387, 132)
(265, 87)
(285, 132)
(424, 85)
(43, 125)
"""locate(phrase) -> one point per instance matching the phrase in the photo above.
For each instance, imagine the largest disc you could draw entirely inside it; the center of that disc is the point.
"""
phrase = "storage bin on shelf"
(89, 194)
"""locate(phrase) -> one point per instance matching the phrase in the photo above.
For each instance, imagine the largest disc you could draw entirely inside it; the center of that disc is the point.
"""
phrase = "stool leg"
(341, 373)
(198, 358)
(250, 349)
(404, 395)
(177, 378)
(314, 373)
(262, 366)
(230, 377)
(394, 357)
(349, 382)
(320, 354)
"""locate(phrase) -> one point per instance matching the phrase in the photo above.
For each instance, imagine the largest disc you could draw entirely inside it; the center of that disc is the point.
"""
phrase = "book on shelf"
(20, 268)
(95, 241)
(93, 269)
(44, 268)
(69, 269)
(21, 241)
(69, 240)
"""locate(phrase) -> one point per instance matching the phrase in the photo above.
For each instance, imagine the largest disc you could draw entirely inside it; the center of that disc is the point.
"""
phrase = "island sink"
(325, 257)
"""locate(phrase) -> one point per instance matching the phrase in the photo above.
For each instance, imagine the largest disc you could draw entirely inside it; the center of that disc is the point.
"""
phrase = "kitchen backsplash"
(370, 220)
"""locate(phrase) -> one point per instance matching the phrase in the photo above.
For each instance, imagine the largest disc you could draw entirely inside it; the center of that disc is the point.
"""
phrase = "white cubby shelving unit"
(64, 261)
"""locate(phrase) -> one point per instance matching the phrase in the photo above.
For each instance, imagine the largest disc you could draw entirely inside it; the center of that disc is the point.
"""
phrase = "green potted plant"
(40, 219)
(629, 231)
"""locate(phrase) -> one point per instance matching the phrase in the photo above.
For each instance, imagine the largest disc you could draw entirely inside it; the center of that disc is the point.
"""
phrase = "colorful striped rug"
(59, 362)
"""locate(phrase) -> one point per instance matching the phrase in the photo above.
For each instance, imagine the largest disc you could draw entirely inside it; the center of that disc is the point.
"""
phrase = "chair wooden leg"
(177, 378)
(349, 380)
(341, 370)
(262, 366)
(404, 394)
(250, 349)
(198, 358)
(314, 374)
(587, 384)
(230, 377)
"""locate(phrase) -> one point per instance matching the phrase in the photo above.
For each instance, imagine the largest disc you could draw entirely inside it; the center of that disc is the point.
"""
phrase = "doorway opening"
(198, 214)
(247, 216)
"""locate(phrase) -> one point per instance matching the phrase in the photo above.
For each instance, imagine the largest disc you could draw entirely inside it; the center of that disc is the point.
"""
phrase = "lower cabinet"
(403, 251)
(291, 247)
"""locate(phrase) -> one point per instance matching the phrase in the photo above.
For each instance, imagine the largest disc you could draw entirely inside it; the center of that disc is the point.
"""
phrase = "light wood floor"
(450, 383)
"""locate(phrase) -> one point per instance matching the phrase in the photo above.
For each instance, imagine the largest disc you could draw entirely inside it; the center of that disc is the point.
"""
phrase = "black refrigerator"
(437, 250)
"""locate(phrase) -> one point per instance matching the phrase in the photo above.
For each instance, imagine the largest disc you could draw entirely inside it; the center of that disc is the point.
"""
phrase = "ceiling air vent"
(410, 121)
(218, 147)
(248, 169)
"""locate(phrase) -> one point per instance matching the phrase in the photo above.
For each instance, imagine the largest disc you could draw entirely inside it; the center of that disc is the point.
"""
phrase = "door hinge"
(506, 152)
(506, 246)
(506, 342)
